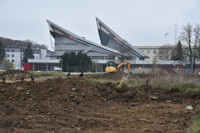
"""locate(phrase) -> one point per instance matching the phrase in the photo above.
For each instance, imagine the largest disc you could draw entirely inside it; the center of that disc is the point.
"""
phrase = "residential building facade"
(162, 53)
(15, 55)
(151, 51)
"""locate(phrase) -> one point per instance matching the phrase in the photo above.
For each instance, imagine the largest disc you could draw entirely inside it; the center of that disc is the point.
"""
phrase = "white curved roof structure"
(110, 39)
(57, 31)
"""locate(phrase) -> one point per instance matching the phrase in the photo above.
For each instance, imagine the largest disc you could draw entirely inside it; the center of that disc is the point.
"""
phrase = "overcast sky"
(140, 22)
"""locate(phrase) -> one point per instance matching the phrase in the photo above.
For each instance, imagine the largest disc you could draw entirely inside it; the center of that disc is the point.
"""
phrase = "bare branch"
(124, 52)
(166, 52)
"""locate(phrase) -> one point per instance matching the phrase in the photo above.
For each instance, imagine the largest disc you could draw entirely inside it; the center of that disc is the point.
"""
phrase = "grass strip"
(196, 128)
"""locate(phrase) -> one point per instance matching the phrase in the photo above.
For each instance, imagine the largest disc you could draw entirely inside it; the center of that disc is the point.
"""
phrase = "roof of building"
(51, 53)
(54, 28)
(105, 28)
(43, 61)
(148, 47)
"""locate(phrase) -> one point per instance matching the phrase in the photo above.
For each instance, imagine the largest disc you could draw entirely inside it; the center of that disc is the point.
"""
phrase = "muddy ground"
(49, 106)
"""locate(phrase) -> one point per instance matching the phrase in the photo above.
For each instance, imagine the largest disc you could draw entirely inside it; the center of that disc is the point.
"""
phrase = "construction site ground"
(48, 105)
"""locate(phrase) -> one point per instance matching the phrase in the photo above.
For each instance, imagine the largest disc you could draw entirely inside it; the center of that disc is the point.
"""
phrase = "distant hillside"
(21, 44)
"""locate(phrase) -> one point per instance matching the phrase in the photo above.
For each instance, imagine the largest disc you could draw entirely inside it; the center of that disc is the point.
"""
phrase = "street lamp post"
(67, 66)
(96, 66)
(46, 65)
(61, 65)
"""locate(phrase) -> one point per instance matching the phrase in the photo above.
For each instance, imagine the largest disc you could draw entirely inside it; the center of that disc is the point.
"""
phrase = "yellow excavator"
(110, 67)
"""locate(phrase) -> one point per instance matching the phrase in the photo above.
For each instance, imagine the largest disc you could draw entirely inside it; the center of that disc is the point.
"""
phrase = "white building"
(66, 41)
(15, 55)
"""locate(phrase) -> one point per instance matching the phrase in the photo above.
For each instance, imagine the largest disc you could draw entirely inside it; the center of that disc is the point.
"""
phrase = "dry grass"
(172, 81)
(196, 128)
(123, 82)
(165, 79)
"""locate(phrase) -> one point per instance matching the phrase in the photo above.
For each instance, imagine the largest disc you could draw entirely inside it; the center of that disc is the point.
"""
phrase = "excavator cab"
(110, 67)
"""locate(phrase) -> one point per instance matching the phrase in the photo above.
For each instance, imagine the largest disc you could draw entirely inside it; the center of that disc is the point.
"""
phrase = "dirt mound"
(50, 106)
(14, 74)
(72, 89)
(110, 76)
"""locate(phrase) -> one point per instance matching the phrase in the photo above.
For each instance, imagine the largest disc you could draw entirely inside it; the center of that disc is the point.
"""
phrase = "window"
(36, 52)
(8, 55)
(94, 57)
(101, 57)
(142, 51)
(148, 51)
(12, 55)
(186, 52)
(154, 52)
(98, 57)
(13, 61)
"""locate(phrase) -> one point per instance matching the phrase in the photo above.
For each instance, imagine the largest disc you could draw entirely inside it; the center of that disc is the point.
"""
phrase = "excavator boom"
(128, 65)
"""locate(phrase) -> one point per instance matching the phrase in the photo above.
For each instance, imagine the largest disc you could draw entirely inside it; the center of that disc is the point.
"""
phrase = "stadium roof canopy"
(107, 36)
(56, 30)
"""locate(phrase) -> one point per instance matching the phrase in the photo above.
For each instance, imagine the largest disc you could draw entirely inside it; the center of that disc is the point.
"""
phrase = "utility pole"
(61, 65)
(175, 32)
(67, 66)
(96, 66)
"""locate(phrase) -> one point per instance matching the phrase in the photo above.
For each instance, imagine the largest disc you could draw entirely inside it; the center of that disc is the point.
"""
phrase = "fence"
(96, 67)
(89, 68)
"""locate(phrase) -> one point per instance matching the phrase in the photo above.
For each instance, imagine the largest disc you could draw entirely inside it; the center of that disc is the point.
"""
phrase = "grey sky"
(140, 22)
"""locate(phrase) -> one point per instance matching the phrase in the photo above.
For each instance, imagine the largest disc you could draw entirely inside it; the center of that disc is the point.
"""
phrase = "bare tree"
(197, 40)
(166, 52)
(154, 64)
(190, 38)
(123, 50)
